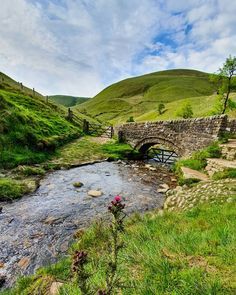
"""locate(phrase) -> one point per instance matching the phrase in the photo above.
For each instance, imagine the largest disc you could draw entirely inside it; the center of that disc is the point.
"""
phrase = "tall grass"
(186, 253)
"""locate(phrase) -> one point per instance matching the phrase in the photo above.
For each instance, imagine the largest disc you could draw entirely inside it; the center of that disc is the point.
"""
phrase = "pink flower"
(117, 198)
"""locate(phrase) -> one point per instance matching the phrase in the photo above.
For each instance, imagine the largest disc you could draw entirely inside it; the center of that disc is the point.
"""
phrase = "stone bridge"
(182, 136)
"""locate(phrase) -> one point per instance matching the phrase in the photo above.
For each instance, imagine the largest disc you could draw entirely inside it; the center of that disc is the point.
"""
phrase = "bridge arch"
(143, 145)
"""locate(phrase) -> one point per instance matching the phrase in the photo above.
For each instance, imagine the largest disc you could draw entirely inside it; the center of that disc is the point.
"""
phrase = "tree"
(224, 82)
(185, 111)
(130, 119)
(161, 108)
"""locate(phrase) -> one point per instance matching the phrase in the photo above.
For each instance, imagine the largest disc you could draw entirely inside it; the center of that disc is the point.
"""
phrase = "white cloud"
(79, 46)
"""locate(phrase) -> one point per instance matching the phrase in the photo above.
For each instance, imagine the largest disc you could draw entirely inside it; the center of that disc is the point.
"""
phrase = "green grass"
(29, 170)
(227, 173)
(9, 84)
(68, 101)
(198, 160)
(140, 96)
(182, 254)
(88, 149)
(30, 129)
(12, 189)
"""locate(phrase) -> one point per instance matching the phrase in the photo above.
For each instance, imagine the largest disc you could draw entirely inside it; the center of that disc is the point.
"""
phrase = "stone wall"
(182, 136)
(231, 126)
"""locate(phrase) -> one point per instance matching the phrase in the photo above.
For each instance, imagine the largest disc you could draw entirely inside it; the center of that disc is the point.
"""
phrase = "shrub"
(161, 108)
(130, 119)
(185, 111)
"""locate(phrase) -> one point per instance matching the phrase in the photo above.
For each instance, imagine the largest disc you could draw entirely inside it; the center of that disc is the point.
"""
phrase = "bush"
(131, 119)
(161, 108)
(186, 111)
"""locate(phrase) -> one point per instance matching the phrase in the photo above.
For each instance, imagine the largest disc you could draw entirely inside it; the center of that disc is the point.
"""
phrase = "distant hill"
(139, 97)
(68, 101)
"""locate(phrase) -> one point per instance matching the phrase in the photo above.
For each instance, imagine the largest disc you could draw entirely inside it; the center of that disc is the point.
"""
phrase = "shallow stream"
(38, 228)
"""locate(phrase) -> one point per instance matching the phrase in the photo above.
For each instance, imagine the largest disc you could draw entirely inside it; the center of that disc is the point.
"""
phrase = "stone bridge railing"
(181, 136)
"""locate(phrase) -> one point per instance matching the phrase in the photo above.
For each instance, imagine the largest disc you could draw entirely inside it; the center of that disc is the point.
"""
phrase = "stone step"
(229, 150)
(193, 174)
(216, 165)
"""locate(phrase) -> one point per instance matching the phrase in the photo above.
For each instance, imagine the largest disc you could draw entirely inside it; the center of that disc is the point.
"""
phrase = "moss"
(29, 170)
(78, 184)
(12, 189)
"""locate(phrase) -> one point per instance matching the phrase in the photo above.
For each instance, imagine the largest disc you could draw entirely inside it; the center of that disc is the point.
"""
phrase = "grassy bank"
(12, 189)
(186, 253)
(25, 178)
(30, 129)
(88, 149)
(198, 160)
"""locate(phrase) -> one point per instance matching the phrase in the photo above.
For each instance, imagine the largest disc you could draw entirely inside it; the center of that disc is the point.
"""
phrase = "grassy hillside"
(179, 253)
(139, 97)
(7, 83)
(30, 129)
(68, 101)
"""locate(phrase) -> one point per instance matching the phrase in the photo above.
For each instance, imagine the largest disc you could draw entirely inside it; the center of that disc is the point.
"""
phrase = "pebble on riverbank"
(95, 194)
(78, 184)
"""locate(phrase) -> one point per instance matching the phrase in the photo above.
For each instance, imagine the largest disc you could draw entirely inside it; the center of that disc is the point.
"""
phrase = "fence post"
(70, 115)
(120, 136)
(112, 131)
(33, 92)
(85, 126)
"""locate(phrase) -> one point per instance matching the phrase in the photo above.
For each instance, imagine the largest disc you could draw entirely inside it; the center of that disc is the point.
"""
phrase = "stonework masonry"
(183, 136)
(231, 126)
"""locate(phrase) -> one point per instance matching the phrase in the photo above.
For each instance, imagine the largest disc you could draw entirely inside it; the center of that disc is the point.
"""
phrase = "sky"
(79, 47)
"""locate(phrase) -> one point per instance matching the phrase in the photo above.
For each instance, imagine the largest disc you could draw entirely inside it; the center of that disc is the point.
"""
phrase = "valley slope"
(31, 128)
(68, 101)
(139, 97)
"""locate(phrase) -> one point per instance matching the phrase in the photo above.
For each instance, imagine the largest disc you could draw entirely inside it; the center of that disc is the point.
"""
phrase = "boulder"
(78, 184)
(24, 262)
(94, 193)
(193, 174)
(163, 188)
(55, 288)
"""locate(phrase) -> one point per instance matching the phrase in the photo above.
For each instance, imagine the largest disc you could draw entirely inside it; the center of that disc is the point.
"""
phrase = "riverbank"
(186, 253)
(25, 179)
(38, 228)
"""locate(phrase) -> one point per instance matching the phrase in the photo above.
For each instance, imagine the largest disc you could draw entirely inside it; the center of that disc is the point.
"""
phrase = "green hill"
(68, 101)
(7, 83)
(31, 128)
(139, 97)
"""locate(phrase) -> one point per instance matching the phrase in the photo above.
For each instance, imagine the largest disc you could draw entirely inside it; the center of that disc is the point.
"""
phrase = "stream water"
(38, 228)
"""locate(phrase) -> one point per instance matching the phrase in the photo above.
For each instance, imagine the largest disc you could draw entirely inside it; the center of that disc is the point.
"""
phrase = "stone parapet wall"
(231, 126)
(183, 136)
